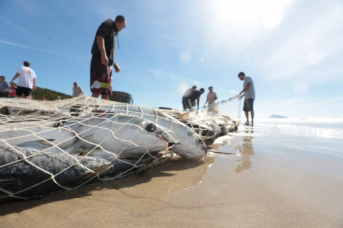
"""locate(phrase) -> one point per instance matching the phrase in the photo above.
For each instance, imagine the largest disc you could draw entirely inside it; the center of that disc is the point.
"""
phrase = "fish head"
(189, 145)
(205, 131)
(141, 134)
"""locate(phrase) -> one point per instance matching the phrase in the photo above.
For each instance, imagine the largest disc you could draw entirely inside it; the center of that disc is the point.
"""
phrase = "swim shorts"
(23, 90)
(101, 77)
(248, 105)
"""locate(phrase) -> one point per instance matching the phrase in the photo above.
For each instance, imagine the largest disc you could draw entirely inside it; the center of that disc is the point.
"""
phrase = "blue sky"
(292, 49)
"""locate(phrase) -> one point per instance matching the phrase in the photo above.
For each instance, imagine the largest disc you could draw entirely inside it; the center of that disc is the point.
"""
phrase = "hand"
(104, 60)
(34, 87)
(116, 67)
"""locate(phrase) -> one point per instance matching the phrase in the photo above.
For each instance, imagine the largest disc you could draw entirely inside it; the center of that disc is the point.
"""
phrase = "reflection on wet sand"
(135, 194)
(240, 144)
(246, 150)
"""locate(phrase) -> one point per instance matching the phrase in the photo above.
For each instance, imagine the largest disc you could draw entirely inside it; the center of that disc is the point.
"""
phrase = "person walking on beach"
(211, 97)
(77, 90)
(27, 80)
(248, 93)
(4, 87)
(192, 96)
(185, 100)
(103, 50)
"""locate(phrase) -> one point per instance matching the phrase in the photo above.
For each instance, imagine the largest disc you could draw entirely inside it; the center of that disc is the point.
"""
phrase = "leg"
(252, 117)
(96, 95)
(105, 97)
(189, 103)
(247, 116)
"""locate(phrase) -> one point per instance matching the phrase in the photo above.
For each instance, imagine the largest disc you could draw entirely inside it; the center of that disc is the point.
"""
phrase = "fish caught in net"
(51, 146)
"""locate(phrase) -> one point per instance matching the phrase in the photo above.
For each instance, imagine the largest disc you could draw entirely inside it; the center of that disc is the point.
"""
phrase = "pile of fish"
(66, 147)
(94, 143)
(209, 125)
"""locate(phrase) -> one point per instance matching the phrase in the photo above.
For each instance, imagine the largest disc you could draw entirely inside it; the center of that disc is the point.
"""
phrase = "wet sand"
(261, 177)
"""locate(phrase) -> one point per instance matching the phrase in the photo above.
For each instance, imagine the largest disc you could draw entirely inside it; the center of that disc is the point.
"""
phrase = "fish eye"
(199, 141)
(150, 127)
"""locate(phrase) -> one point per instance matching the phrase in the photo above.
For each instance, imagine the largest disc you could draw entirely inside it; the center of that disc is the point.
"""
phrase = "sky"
(292, 49)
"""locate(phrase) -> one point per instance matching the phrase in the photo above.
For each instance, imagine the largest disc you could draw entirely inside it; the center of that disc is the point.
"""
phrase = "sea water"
(317, 127)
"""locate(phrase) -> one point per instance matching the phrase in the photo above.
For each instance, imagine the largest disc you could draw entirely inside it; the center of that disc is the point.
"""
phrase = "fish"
(205, 131)
(111, 136)
(108, 136)
(185, 142)
(219, 124)
(24, 133)
(27, 173)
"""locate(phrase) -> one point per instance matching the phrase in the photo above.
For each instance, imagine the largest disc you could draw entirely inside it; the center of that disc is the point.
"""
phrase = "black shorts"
(248, 105)
(23, 90)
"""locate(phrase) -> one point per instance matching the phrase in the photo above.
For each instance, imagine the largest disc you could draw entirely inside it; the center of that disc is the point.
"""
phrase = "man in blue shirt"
(4, 87)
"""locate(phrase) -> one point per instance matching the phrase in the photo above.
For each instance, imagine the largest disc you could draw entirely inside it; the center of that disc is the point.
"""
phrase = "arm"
(248, 86)
(116, 67)
(15, 77)
(81, 92)
(198, 100)
(34, 84)
(101, 44)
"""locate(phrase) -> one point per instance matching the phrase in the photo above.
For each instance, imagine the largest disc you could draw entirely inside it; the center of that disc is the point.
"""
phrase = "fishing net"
(212, 120)
(50, 146)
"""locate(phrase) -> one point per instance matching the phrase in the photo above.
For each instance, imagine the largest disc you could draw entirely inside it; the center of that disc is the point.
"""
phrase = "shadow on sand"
(192, 171)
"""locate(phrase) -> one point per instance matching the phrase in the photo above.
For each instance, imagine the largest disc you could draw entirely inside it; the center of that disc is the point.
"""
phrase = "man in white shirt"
(27, 80)
(249, 93)
(77, 90)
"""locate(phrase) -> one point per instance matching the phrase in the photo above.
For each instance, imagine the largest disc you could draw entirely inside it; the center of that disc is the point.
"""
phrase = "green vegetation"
(48, 94)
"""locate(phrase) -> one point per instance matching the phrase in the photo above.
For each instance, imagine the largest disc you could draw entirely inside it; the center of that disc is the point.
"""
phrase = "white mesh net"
(48, 146)
(51, 146)
(213, 120)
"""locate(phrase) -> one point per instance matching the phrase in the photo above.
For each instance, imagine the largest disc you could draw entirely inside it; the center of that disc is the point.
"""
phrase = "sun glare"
(247, 14)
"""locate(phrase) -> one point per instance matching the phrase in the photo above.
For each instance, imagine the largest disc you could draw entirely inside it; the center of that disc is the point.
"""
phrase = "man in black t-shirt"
(185, 99)
(194, 95)
(103, 57)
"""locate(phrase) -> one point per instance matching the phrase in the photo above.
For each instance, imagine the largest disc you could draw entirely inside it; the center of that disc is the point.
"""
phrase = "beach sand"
(263, 177)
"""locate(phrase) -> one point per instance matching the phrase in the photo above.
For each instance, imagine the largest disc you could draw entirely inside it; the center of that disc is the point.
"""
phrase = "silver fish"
(188, 144)
(26, 173)
(22, 133)
(111, 136)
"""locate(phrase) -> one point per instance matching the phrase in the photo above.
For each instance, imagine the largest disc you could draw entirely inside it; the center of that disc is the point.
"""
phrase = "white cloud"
(185, 57)
(300, 87)
(32, 48)
(315, 56)
(182, 87)
(22, 30)
(313, 39)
